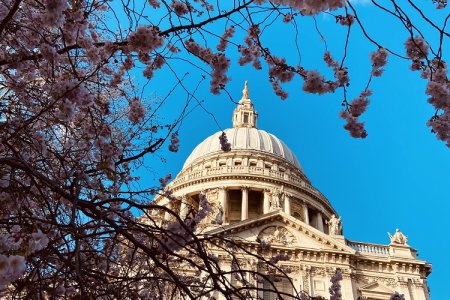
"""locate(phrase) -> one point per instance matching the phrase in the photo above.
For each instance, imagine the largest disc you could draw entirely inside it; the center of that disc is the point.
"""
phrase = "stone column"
(266, 201)
(319, 221)
(287, 204)
(223, 195)
(168, 215)
(244, 206)
(305, 213)
(183, 207)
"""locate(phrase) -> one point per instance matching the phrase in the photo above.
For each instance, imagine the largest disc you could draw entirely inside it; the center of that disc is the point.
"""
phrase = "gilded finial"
(245, 91)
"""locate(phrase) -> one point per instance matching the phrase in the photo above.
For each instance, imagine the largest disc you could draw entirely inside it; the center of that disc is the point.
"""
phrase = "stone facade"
(259, 193)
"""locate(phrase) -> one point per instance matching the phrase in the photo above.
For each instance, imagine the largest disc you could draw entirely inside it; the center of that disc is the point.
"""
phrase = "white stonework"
(259, 191)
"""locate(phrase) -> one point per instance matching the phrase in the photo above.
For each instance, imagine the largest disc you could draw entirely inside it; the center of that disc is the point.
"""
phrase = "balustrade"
(369, 248)
(248, 170)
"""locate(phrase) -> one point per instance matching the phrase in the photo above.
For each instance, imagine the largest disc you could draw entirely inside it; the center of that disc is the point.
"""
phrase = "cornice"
(217, 178)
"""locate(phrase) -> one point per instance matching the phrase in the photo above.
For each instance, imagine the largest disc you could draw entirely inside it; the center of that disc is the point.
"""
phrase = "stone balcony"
(245, 170)
(371, 249)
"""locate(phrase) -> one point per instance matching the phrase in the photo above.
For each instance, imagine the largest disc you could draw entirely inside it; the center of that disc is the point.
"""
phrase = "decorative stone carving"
(334, 225)
(297, 210)
(212, 195)
(319, 271)
(363, 279)
(216, 214)
(277, 235)
(398, 237)
(306, 274)
(275, 199)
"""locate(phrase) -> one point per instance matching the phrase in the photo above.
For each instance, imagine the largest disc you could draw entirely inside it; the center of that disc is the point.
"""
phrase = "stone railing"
(369, 248)
(226, 170)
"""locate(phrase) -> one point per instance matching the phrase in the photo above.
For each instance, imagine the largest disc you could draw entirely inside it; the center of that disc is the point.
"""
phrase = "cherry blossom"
(180, 8)
(145, 39)
(379, 60)
(229, 32)
(137, 111)
(224, 144)
(174, 142)
(355, 109)
(78, 126)
(38, 241)
(218, 62)
(335, 288)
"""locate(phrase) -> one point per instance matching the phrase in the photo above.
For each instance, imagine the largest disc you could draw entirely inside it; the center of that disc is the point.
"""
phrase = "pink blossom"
(224, 39)
(354, 127)
(279, 69)
(439, 94)
(355, 109)
(38, 241)
(312, 7)
(137, 111)
(154, 3)
(224, 144)
(314, 82)
(335, 288)
(278, 90)
(340, 73)
(330, 61)
(54, 12)
(279, 257)
(5, 270)
(178, 234)
(440, 3)
(148, 71)
(379, 60)
(172, 48)
(164, 181)
(345, 20)
(17, 266)
(252, 52)
(287, 18)
(397, 296)
(180, 8)
(145, 39)
(359, 105)
(218, 62)
(440, 124)
(174, 142)
(416, 48)
(128, 63)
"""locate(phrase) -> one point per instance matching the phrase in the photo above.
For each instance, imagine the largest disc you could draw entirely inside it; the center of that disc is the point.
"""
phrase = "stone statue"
(218, 220)
(275, 200)
(245, 91)
(398, 237)
(334, 225)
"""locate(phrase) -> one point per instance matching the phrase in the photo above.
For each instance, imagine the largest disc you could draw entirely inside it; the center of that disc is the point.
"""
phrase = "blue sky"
(397, 177)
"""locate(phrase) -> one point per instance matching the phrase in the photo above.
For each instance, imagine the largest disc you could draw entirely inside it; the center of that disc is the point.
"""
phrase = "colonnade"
(266, 206)
(315, 219)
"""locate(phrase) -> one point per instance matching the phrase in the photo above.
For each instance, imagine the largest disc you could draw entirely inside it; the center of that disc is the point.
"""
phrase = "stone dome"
(260, 175)
(244, 138)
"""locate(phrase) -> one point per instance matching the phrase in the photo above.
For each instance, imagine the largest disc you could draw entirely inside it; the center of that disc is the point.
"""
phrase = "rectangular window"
(234, 206)
(245, 118)
(282, 287)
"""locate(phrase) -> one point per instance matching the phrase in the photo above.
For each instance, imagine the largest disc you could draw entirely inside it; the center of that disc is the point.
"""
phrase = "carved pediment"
(375, 290)
(277, 235)
(282, 230)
